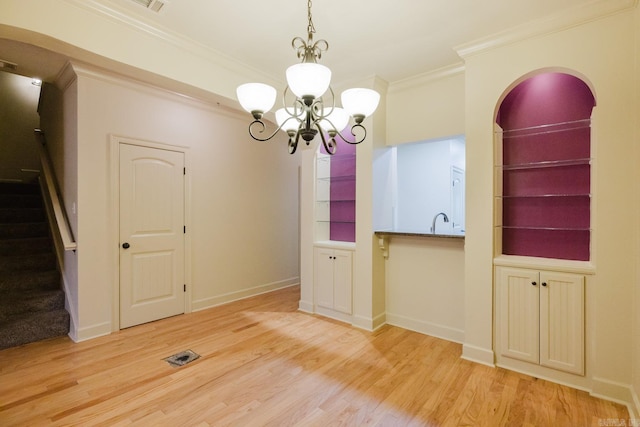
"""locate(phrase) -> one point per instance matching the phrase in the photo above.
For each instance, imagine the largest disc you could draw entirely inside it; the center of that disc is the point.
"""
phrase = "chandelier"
(307, 114)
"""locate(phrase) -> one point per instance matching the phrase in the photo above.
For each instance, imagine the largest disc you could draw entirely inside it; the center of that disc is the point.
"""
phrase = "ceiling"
(393, 40)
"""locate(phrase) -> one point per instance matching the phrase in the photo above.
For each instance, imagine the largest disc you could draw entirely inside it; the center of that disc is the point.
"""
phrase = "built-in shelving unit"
(544, 196)
(336, 196)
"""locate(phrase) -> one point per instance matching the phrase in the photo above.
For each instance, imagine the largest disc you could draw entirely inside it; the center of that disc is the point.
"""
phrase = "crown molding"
(592, 11)
(121, 17)
(427, 77)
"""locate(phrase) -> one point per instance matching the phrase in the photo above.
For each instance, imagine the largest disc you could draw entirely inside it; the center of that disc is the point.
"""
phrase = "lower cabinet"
(540, 317)
(333, 279)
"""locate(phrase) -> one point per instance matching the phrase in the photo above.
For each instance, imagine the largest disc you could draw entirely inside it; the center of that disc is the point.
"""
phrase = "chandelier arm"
(329, 146)
(293, 143)
(262, 128)
(357, 141)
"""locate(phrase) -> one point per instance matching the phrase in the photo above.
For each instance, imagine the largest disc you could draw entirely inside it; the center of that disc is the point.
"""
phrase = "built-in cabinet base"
(540, 317)
(333, 281)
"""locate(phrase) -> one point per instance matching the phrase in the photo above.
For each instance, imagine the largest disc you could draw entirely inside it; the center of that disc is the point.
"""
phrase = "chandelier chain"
(310, 28)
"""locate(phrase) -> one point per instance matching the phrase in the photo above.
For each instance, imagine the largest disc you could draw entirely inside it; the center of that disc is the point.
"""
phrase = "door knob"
(533, 283)
(125, 245)
(544, 283)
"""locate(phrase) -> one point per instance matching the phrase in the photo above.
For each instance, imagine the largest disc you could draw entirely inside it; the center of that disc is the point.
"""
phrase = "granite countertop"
(418, 233)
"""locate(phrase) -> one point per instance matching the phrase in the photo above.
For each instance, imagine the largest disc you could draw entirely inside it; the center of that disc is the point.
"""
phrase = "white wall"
(428, 106)
(425, 285)
(18, 119)
(243, 227)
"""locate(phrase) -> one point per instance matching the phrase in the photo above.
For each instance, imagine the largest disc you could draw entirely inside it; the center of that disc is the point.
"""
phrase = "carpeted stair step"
(12, 215)
(30, 280)
(19, 188)
(35, 245)
(13, 303)
(31, 262)
(30, 327)
(20, 201)
(24, 230)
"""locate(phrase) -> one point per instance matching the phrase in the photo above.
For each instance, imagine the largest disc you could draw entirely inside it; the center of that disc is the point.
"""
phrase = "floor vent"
(153, 5)
(182, 358)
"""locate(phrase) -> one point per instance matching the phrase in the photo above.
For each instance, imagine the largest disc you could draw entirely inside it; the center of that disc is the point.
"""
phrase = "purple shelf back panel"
(342, 231)
(559, 244)
(342, 194)
(541, 147)
(568, 179)
(554, 212)
(343, 211)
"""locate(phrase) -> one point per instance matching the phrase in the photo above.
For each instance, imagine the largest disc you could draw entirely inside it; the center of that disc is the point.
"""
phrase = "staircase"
(31, 301)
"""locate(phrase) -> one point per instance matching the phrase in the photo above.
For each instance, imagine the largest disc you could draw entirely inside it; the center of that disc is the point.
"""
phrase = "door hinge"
(185, 288)
(184, 229)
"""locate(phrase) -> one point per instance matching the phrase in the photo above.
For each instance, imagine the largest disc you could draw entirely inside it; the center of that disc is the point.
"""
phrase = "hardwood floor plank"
(263, 363)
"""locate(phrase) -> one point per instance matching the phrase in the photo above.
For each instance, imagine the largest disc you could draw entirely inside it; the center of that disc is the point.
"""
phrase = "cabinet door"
(519, 313)
(324, 277)
(562, 321)
(342, 281)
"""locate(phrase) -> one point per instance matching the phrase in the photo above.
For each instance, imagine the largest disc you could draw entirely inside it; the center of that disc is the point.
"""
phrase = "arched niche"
(544, 176)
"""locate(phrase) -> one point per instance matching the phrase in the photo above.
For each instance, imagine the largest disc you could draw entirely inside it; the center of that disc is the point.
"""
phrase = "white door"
(342, 272)
(324, 277)
(562, 321)
(519, 313)
(151, 234)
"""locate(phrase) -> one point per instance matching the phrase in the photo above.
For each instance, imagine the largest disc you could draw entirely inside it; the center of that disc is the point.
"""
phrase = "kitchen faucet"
(433, 223)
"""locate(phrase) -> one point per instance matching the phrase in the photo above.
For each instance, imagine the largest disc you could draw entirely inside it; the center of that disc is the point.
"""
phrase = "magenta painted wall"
(546, 167)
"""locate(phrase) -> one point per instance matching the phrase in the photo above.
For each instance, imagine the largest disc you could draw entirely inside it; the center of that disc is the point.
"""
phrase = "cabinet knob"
(544, 283)
(534, 283)
(126, 245)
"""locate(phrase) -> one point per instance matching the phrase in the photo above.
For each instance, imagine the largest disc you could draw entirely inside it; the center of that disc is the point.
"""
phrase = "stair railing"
(53, 203)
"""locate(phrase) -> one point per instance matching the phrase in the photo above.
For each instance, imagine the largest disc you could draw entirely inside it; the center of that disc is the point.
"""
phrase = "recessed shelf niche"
(543, 168)
(336, 194)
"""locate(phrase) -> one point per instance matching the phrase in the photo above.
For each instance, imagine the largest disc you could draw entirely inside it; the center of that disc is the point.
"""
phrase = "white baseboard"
(305, 306)
(368, 323)
(205, 303)
(634, 410)
(90, 332)
(478, 355)
(432, 329)
(71, 309)
(615, 392)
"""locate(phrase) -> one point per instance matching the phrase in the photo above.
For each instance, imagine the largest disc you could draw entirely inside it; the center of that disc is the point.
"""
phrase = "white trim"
(613, 391)
(478, 355)
(69, 305)
(205, 303)
(427, 328)
(94, 331)
(89, 71)
(561, 265)
(121, 17)
(114, 142)
(412, 82)
(305, 306)
(634, 409)
(368, 323)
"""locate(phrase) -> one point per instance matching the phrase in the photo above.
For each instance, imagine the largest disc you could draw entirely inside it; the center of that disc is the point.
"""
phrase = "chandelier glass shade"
(308, 113)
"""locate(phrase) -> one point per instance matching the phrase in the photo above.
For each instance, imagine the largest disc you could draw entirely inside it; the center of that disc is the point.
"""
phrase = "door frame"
(115, 141)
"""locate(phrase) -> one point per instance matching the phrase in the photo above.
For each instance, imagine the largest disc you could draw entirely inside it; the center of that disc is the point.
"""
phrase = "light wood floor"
(265, 364)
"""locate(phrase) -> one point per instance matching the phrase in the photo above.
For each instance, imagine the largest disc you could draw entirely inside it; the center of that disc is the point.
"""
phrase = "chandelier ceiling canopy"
(307, 114)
